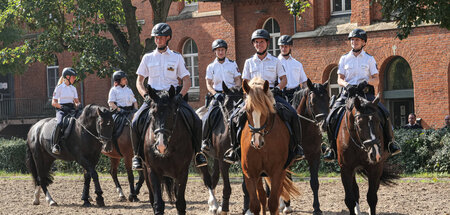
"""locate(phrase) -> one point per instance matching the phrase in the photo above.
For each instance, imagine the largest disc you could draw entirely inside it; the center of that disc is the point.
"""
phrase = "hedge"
(422, 151)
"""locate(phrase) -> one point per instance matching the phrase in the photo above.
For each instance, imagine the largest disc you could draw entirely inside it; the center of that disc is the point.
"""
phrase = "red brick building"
(414, 73)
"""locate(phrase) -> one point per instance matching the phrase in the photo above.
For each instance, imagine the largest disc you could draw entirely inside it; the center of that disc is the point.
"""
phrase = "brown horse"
(264, 148)
(125, 151)
(360, 148)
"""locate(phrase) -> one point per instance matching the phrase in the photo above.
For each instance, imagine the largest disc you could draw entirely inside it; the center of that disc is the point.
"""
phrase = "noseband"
(361, 146)
(167, 131)
(99, 136)
(262, 130)
(309, 107)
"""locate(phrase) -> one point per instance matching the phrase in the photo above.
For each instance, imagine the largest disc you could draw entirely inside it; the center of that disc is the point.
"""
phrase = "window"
(273, 28)
(341, 6)
(52, 77)
(189, 3)
(190, 54)
(334, 88)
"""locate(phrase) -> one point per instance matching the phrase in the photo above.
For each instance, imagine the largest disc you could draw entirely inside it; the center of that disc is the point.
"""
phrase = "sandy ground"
(409, 196)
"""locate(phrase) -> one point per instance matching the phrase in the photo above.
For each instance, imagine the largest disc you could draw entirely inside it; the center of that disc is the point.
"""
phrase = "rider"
(295, 75)
(358, 72)
(121, 97)
(163, 67)
(65, 99)
(220, 70)
(268, 67)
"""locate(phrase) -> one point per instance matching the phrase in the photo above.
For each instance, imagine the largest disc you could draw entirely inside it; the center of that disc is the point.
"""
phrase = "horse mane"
(90, 111)
(298, 96)
(257, 99)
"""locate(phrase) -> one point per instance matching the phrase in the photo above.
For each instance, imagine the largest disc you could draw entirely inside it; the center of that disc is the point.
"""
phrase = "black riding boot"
(57, 139)
(330, 152)
(298, 150)
(233, 154)
(200, 158)
(392, 146)
(137, 160)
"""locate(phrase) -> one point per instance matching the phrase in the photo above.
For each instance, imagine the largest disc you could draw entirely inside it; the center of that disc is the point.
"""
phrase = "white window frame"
(333, 85)
(342, 12)
(273, 37)
(191, 57)
(55, 70)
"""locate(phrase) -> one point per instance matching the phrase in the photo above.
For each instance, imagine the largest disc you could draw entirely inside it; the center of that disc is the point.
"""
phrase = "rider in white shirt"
(296, 77)
(121, 97)
(65, 100)
(163, 68)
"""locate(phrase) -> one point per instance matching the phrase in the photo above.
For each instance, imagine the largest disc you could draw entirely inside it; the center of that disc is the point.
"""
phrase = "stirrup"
(56, 149)
(230, 156)
(323, 147)
(396, 152)
(328, 157)
(137, 163)
(200, 160)
(206, 145)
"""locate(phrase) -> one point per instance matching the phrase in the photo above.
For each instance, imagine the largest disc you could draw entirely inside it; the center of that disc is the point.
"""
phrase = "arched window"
(334, 88)
(273, 28)
(398, 90)
(190, 54)
(52, 77)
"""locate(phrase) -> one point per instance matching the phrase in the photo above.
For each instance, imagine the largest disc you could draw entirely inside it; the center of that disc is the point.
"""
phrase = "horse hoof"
(52, 203)
(317, 212)
(122, 199)
(132, 198)
(86, 204)
(248, 212)
(287, 210)
(36, 202)
(100, 203)
(220, 212)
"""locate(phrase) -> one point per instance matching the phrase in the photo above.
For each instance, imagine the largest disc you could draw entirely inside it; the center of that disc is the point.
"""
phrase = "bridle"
(359, 145)
(99, 136)
(311, 110)
(167, 131)
(262, 130)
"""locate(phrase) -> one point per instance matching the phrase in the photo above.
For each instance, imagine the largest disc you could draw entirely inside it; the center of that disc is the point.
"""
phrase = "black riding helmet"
(162, 29)
(118, 75)
(219, 43)
(260, 33)
(285, 40)
(68, 71)
(358, 33)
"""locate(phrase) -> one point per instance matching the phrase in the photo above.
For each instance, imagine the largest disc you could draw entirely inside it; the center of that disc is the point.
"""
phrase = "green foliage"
(103, 166)
(423, 150)
(410, 13)
(12, 155)
(297, 7)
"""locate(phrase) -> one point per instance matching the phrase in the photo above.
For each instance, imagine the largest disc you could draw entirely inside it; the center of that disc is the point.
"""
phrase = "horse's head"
(232, 97)
(163, 112)
(259, 105)
(102, 119)
(318, 102)
(367, 127)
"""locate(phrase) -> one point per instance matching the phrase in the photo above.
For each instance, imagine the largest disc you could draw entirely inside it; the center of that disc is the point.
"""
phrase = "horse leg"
(146, 174)
(158, 203)
(314, 164)
(347, 178)
(356, 195)
(212, 202)
(133, 196)
(140, 182)
(251, 189)
(42, 164)
(180, 192)
(37, 194)
(226, 192)
(262, 195)
(92, 174)
(285, 204)
(246, 209)
(85, 195)
(374, 175)
(113, 171)
(277, 188)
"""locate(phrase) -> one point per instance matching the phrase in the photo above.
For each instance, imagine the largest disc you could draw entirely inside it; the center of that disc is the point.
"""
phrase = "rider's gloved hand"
(65, 109)
(178, 98)
(219, 97)
(147, 98)
(277, 91)
(351, 90)
(361, 86)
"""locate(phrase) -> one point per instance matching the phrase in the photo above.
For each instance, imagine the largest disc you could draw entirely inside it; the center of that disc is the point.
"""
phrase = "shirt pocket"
(154, 69)
(365, 69)
(171, 70)
(348, 71)
(270, 73)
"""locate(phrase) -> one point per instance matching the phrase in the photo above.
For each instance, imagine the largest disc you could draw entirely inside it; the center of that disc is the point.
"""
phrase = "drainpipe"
(82, 93)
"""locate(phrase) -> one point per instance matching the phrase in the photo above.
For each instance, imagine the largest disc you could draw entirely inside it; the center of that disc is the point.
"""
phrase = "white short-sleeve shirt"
(122, 96)
(162, 69)
(269, 68)
(357, 69)
(65, 93)
(294, 71)
(225, 72)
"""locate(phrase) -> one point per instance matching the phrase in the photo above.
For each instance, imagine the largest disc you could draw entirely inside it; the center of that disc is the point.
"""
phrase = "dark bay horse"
(264, 149)
(360, 148)
(312, 105)
(220, 142)
(91, 130)
(168, 151)
(125, 151)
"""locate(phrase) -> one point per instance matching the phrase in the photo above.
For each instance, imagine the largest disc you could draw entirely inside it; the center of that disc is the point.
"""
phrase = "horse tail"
(32, 166)
(289, 189)
(390, 173)
(170, 188)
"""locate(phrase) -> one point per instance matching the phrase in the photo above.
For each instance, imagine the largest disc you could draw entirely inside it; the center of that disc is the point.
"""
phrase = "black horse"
(360, 149)
(220, 142)
(168, 150)
(90, 132)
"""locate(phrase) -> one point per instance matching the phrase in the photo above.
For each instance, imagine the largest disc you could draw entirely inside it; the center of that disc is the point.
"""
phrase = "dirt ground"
(409, 196)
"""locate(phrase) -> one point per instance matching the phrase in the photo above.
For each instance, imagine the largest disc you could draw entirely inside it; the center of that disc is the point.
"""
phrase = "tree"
(410, 13)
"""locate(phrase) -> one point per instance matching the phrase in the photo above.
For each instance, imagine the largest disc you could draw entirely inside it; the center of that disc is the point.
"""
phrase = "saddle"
(121, 120)
(67, 123)
(334, 121)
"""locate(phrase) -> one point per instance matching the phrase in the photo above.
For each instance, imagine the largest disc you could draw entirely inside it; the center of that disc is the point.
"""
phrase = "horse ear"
(171, 91)
(310, 84)
(245, 86)
(225, 88)
(266, 86)
(357, 103)
(152, 93)
(376, 100)
(325, 84)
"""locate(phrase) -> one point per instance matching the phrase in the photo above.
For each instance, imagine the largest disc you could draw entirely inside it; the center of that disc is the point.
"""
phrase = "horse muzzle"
(257, 142)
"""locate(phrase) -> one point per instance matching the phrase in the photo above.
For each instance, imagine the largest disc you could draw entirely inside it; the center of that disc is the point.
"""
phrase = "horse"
(168, 151)
(220, 141)
(312, 105)
(264, 148)
(124, 149)
(360, 149)
(90, 132)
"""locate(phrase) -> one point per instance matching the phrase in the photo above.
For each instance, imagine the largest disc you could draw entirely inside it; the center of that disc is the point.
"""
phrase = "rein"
(308, 106)
(100, 137)
(351, 137)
